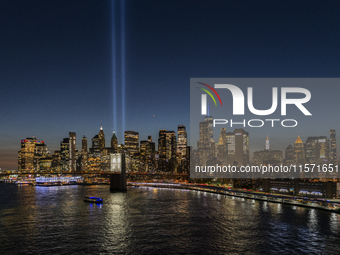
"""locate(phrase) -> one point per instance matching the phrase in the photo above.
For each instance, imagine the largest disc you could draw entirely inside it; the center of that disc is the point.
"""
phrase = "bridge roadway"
(129, 175)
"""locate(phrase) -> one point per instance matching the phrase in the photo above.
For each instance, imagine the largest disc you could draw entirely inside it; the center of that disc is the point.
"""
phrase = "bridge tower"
(118, 178)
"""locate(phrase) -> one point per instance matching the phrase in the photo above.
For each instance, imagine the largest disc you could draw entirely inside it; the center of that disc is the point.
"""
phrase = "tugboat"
(93, 199)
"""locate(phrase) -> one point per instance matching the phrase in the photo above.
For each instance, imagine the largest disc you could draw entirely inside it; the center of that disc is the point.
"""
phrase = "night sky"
(59, 60)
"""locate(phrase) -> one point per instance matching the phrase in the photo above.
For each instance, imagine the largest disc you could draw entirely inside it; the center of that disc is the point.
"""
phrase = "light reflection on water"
(42, 220)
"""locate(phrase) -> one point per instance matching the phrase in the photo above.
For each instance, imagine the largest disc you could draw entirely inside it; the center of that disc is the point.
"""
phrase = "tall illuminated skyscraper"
(101, 139)
(114, 142)
(166, 144)
(84, 144)
(65, 154)
(299, 151)
(31, 151)
(72, 151)
(182, 140)
(131, 141)
(333, 156)
(170, 144)
(161, 143)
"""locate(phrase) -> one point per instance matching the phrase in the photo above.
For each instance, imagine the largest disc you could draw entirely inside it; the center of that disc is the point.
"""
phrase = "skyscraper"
(333, 156)
(182, 140)
(222, 146)
(206, 143)
(317, 149)
(31, 151)
(170, 144)
(238, 147)
(167, 144)
(95, 151)
(289, 154)
(65, 154)
(101, 139)
(114, 142)
(84, 144)
(299, 151)
(131, 141)
(72, 148)
(161, 143)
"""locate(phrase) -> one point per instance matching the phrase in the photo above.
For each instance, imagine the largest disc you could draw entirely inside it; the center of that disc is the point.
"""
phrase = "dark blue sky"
(56, 60)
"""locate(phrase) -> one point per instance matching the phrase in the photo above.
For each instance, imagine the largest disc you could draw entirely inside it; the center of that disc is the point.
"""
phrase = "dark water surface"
(56, 220)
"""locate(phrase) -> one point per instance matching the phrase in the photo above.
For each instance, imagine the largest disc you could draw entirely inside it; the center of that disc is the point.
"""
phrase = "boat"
(93, 199)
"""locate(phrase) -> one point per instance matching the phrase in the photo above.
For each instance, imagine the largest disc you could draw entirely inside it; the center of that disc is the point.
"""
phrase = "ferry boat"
(93, 199)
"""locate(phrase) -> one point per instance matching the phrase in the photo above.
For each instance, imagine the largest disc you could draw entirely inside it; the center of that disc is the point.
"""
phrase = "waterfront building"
(304, 188)
(31, 151)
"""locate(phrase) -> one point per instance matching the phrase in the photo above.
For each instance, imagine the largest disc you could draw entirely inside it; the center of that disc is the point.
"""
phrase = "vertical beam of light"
(114, 76)
(123, 63)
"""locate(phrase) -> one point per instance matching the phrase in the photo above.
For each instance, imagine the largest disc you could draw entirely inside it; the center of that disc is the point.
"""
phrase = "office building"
(237, 147)
(267, 156)
(114, 142)
(333, 156)
(182, 140)
(72, 151)
(101, 139)
(299, 151)
(131, 142)
(317, 149)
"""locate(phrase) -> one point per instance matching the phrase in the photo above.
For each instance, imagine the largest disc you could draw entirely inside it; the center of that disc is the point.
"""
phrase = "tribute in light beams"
(123, 62)
(114, 76)
(118, 69)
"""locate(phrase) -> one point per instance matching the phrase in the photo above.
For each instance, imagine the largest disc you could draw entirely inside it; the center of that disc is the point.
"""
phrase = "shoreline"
(235, 193)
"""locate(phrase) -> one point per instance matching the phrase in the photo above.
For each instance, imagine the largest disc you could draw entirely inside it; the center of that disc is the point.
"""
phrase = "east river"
(145, 220)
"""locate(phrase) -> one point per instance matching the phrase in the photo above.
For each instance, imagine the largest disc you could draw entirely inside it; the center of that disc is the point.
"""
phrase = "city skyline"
(134, 145)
